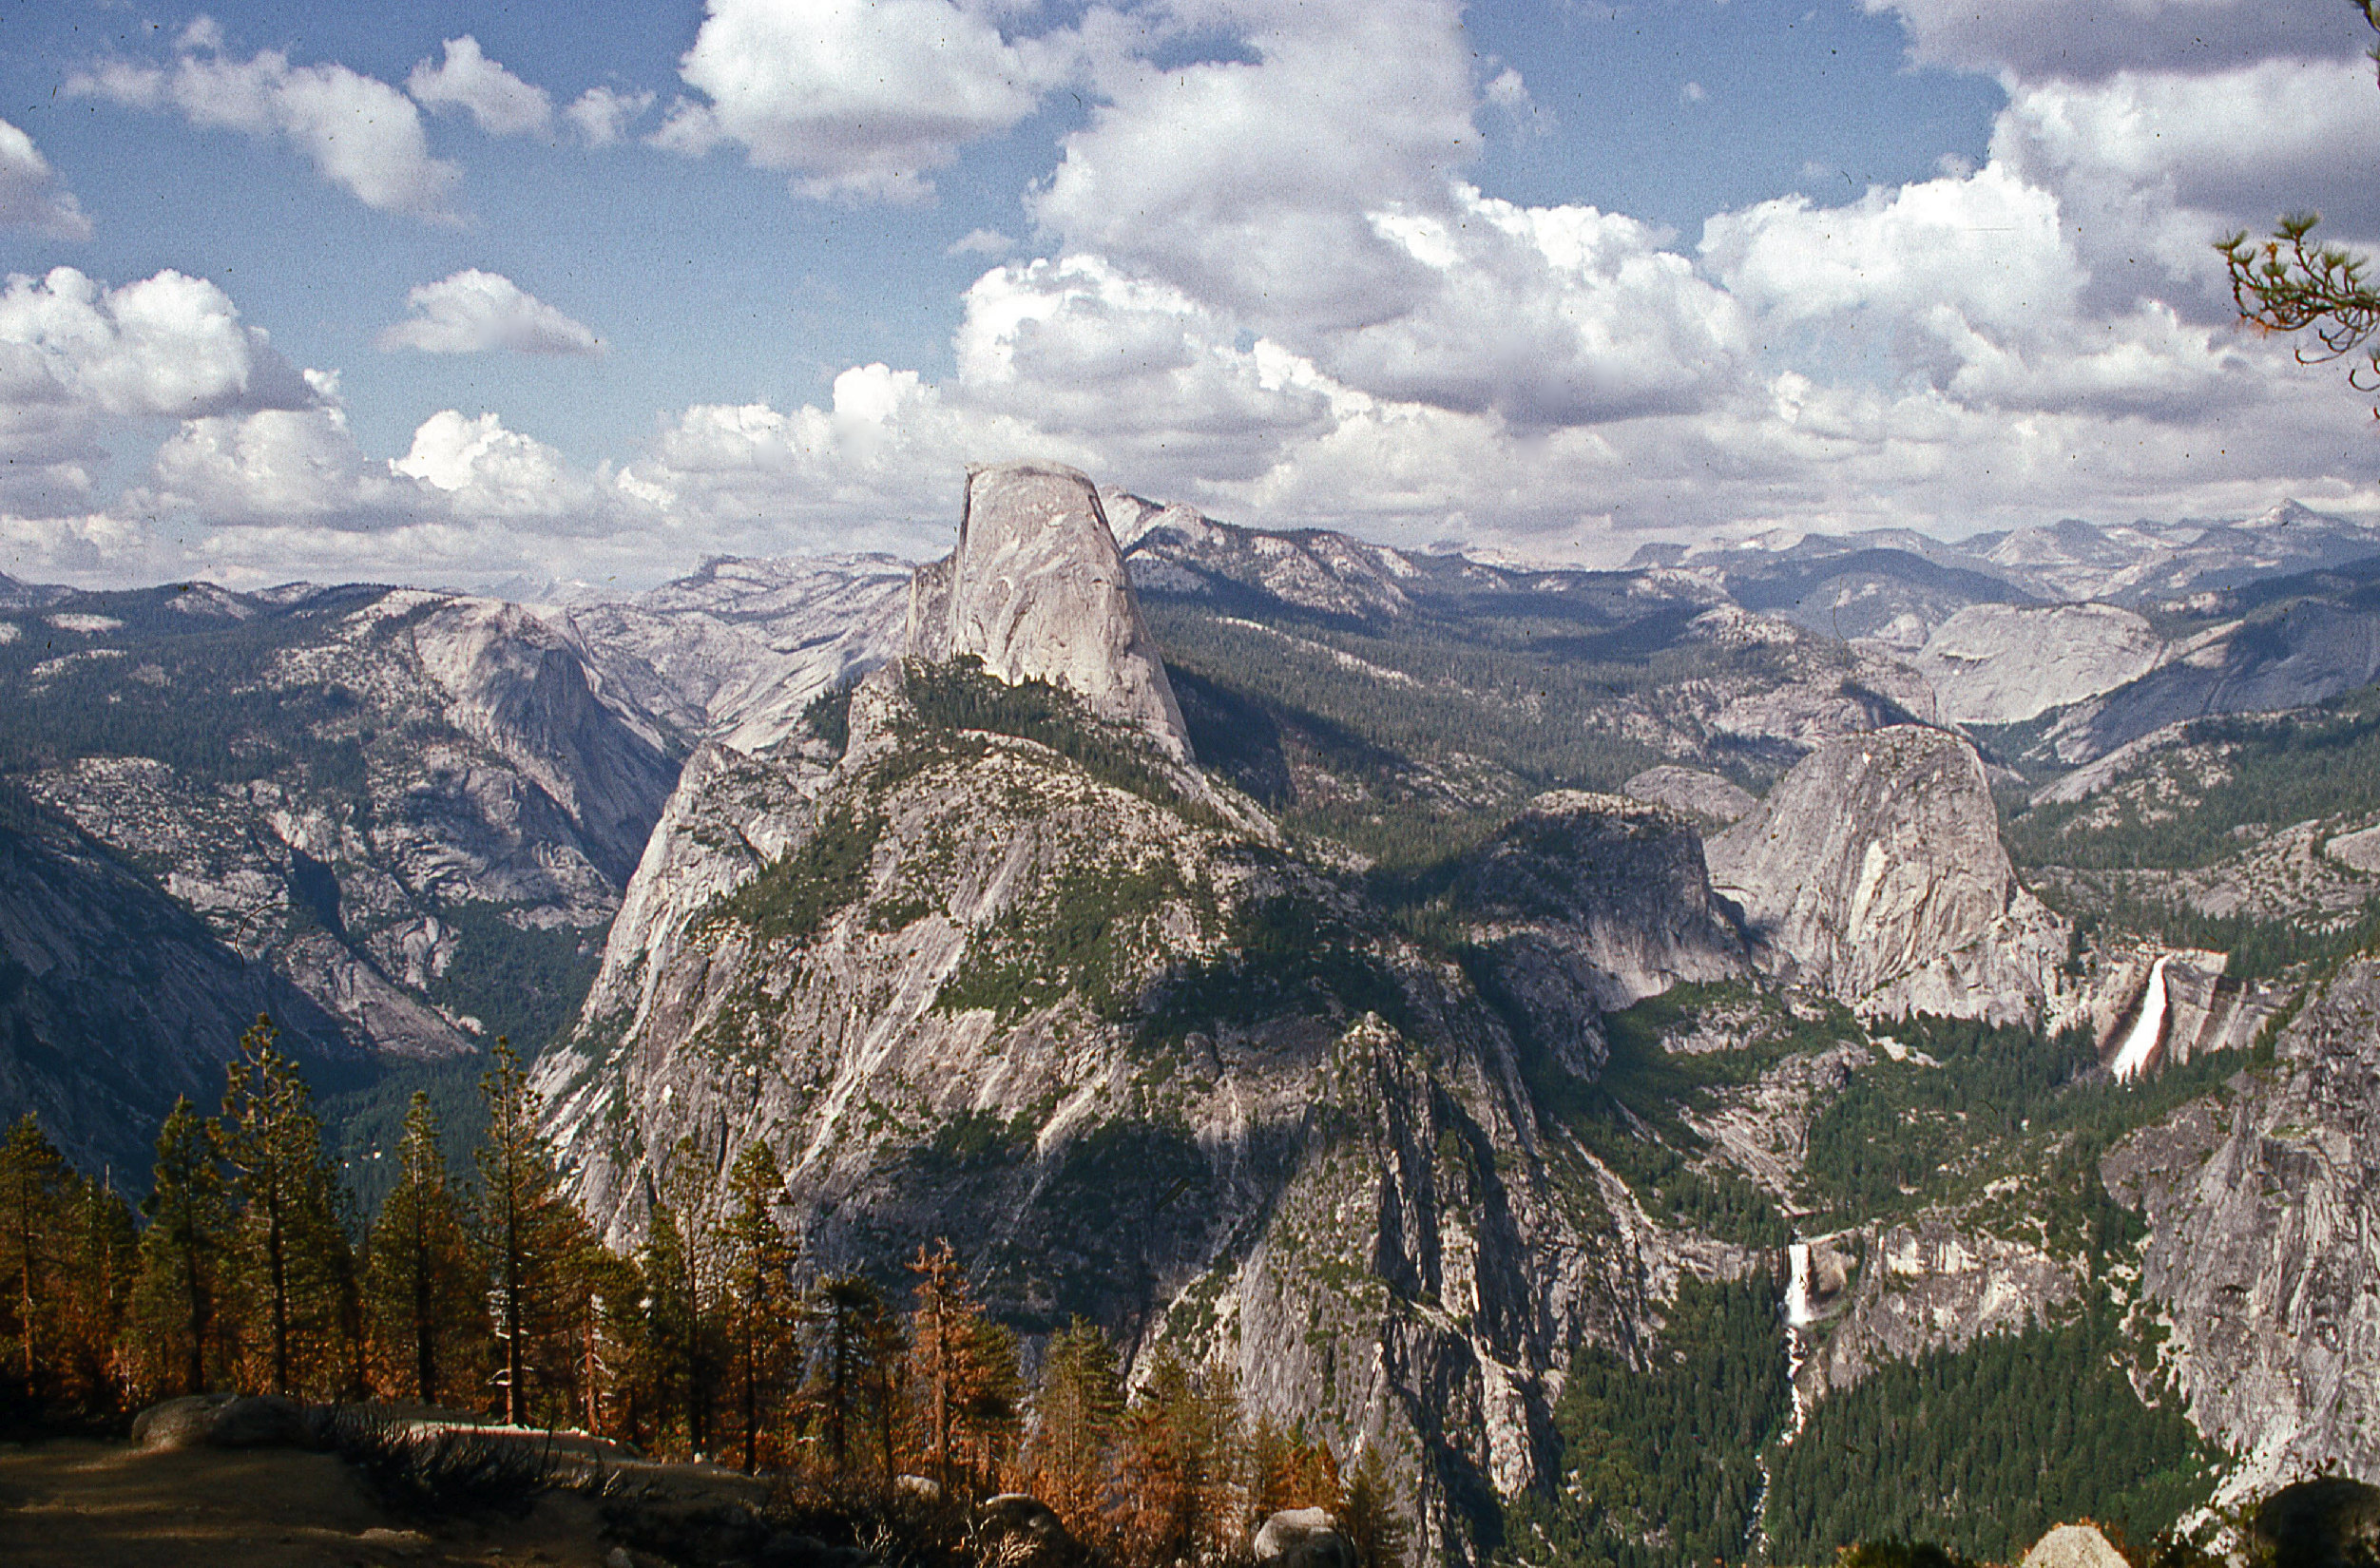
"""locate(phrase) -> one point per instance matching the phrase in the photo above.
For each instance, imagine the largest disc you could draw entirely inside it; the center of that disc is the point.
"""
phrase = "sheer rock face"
(2263, 1204)
(1874, 872)
(114, 999)
(1038, 591)
(1586, 904)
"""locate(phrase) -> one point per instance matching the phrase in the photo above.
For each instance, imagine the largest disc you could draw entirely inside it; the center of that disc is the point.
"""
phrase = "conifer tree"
(523, 1222)
(101, 1250)
(759, 1289)
(681, 1270)
(942, 1341)
(1078, 1409)
(1369, 1517)
(184, 1250)
(33, 1191)
(292, 1246)
(1180, 1475)
(857, 1339)
(609, 1343)
(426, 1308)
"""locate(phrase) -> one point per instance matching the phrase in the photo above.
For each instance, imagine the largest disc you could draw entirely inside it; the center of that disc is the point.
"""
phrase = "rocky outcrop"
(1078, 1010)
(2262, 1204)
(1929, 1284)
(378, 795)
(736, 651)
(2308, 651)
(1585, 904)
(1038, 591)
(1874, 872)
(2005, 664)
(1705, 796)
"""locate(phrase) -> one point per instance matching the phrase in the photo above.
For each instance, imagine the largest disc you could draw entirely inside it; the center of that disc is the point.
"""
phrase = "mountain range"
(1453, 994)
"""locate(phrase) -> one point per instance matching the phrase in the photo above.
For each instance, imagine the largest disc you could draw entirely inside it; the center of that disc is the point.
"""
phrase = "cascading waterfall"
(2132, 1056)
(1797, 1319)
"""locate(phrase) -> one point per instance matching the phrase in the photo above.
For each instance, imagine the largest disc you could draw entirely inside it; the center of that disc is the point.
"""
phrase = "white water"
(1797, 1317)
(2132, 1056)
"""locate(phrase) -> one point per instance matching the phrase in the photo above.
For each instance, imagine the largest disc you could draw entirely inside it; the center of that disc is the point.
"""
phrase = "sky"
(504, 297)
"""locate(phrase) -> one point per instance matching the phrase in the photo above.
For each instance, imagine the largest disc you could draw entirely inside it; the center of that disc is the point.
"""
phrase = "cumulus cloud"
(475, 312)
(855, 98)
(602, 115)
(2086, 40)
(2150, 167)
(31, 195)
(1134, 370)
(1250, 185)
(467, 79)
(81, 363)
(360, 134)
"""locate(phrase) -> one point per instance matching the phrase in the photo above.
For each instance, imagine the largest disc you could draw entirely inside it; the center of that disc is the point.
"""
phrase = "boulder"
(1302, 1538)
(1019, 1531)
(2074, 1546)
(221, 1421)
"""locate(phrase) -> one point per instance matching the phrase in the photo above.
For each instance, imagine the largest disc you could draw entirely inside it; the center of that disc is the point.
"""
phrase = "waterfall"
(2132, 1056)
(1797, 1289)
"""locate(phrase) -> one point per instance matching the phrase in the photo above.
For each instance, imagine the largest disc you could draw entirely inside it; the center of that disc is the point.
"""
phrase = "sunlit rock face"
(1038, 591)
(1874, 872)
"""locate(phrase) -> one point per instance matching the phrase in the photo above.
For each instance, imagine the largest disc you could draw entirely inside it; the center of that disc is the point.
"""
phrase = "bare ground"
(79, 1503)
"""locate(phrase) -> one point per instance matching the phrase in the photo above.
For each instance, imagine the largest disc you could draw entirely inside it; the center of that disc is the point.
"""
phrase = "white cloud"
(1133, 370)
(274, 467)
(1251, 185)
(81, 363)
(602, 115)
(2151, 167)
(467, 79)
(2086, 40)
(475, 312)
(979, 243)
(856, 98)
(361, 134)
(31, 195)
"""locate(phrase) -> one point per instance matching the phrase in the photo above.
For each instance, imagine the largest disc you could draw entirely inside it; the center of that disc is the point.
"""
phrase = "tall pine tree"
(760, 1291)
(427, 1310)
(292, 1252)
(33, 1185)
(186, 1249)
(524, 1226)
(1078, 1411)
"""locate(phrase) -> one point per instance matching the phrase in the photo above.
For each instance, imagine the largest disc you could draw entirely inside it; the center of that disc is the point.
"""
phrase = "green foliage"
(1432, 731)
(1629, 1115)
(2286, 284)
(1903, 1135)
(2253, 949)
(959, 696)
(1983, 1449)
(2275, 770)
(1661, 1466)
(216, 714)
(799, 892)
(1092, 934)
(522, 982)
(364, 1128)
(1284, 956)
(829, 715)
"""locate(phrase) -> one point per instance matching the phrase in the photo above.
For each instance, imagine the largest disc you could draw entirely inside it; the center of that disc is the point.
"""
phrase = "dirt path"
(85, 1504)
